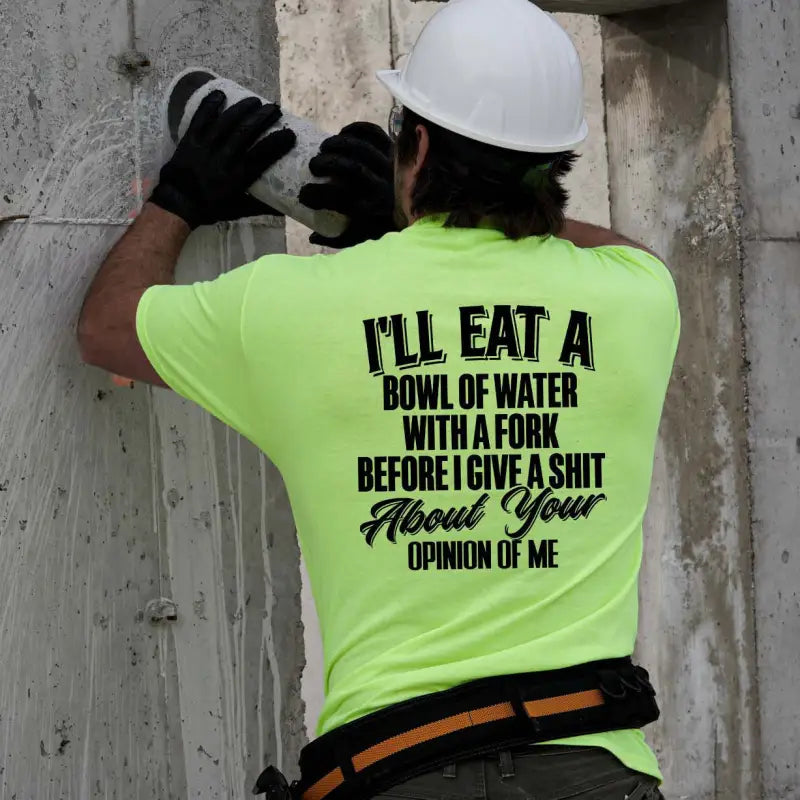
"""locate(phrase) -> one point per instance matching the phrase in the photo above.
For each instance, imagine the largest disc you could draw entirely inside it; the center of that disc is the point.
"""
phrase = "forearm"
(145, 256)
(584, 234)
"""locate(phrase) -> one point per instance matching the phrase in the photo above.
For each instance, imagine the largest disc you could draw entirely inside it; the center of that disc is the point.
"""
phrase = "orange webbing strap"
(576, 701)
(324, 786)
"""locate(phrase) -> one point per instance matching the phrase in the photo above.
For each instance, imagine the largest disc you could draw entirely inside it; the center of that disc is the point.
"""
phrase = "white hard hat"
(502, 72)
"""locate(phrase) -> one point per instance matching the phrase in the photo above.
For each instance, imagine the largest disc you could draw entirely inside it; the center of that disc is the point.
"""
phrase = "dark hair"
(518, 193)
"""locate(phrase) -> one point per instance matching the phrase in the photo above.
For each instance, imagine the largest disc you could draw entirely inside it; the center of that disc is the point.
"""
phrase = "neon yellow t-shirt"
(466, 427)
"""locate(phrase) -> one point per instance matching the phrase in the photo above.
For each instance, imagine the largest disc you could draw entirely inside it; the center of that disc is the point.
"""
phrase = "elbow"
(86, 346)
(89, 338)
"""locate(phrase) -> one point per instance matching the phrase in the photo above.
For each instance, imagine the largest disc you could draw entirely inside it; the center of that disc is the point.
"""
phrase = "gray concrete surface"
(772, 295)
(112, 497)
(329, 55)
(673, 187)
(765, 72)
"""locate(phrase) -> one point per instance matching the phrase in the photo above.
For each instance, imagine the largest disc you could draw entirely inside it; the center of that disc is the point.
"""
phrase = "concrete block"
(314, 672)
(330, 53)
(408, 20)
(588, 182)
(110, 498)
(672, 187)
(772, 296)
(56, 75)
(84, 675)
(765, 72)
(242, 582)
(77, 545)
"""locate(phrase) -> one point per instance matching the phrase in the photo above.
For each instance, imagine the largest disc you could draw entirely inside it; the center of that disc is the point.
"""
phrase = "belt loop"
(506, 764)
(517, 701)
(449, 771)
(343, 754)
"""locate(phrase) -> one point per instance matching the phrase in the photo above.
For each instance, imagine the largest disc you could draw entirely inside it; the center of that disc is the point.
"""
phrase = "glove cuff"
(172, 200)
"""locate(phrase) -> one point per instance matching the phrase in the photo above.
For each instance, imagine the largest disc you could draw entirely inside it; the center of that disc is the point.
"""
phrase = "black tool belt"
(376, 752)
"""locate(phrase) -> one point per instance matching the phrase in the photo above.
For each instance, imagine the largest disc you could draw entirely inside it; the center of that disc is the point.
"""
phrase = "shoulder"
(638, 262)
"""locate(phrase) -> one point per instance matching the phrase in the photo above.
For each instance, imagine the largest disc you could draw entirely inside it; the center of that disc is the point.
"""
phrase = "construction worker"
(463, 405)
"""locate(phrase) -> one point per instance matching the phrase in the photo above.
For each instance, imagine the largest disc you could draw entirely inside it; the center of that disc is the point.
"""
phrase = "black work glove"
(219, 158)
(359, 163)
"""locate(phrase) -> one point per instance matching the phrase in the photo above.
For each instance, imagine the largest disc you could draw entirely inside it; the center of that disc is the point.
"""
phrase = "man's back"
(465, 425)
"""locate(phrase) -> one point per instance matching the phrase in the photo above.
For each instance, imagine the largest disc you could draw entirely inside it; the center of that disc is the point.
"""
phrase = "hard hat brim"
(391, 79)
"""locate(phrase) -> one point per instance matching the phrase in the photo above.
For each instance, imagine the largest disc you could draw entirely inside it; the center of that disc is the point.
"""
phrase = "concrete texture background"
(111, 497)
(673, 186)
(765, 72)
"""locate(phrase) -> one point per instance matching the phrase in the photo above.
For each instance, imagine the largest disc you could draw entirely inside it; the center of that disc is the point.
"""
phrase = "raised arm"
(204, 182)
(145, 256)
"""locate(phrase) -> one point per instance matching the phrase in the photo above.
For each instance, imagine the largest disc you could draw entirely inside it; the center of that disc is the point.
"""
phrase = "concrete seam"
(392, 43)
(69, 221)
(268, 621)
(137, 151)
(167, 650)
(603, 95)
(741, 238)
(789, 239)
(605, 114)
(132, 24)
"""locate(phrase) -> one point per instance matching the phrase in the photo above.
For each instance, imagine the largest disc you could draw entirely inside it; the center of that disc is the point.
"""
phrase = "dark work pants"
(546, 772)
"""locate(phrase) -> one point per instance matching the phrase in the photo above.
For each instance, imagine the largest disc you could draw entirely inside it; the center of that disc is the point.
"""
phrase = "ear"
(423, 146)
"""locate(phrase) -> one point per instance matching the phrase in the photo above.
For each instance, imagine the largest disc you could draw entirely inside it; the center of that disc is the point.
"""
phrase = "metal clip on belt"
(372, 754)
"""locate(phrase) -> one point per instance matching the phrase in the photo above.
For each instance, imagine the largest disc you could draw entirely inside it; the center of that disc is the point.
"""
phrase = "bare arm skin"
(584, 234)
(145, 256)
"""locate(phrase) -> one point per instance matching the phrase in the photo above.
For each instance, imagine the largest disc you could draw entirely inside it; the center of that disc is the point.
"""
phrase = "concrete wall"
(765, 72)
(112, 497)
(673, 186)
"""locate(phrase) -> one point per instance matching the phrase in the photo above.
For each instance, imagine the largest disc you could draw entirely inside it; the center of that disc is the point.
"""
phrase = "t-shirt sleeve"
(192, 336)
(640, 259)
